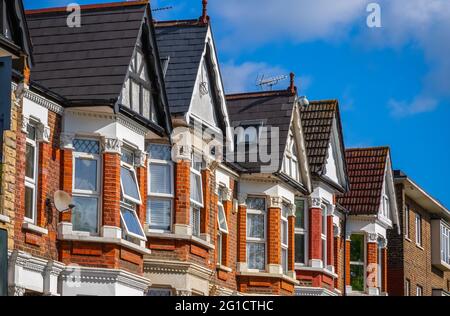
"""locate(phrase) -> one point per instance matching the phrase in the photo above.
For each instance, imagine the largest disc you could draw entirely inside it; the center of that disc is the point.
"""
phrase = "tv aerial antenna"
(268, 83)
(162, 9)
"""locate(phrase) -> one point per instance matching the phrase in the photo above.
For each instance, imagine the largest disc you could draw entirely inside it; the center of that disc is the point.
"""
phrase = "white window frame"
(253, 240)
(195, 204)
(161, 196)
(125, 196)
(445, 243)
(407, 287)
(304, 232)
(386, 209)
(89, 193)
(418, 228)
(407, 218)
(291, 159)
(284, 246)
(419, 290)
(221, 231)
(33, 183)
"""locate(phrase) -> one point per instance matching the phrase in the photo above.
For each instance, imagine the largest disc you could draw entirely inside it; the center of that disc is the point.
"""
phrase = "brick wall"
(315, 232)
(182, 202)
(274, 236)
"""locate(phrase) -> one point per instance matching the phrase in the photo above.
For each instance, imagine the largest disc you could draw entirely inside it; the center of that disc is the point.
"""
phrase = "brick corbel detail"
(111, 189)
(242, 231)
(274, 235)
(182, 192)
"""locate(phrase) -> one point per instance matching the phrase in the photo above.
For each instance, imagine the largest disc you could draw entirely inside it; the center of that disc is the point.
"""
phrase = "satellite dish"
(63, 201)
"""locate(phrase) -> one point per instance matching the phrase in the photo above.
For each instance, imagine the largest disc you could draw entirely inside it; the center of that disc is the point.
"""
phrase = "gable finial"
(204, 18)
(292, 88)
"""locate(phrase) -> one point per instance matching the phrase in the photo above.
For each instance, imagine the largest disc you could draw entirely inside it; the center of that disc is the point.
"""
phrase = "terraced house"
(177, 188)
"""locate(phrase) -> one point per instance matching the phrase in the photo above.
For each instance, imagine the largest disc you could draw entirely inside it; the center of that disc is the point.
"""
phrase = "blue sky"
(393, 82)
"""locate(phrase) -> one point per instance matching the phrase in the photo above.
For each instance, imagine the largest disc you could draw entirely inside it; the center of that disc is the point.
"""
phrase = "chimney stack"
(292, 88)
(204, 19)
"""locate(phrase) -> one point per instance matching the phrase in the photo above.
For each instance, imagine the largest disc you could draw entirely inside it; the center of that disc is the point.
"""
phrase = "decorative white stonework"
(43, 133)
(383, 243)
(336, 231)
(292, 210)
(25, 122)
(140, 159)
(112, 145)
(67, 141)
(51, 106)
(227, 194)
(315, 202)
(181, 153)
(372, 238)
(242, 199)
(275, 202)
(14, 290)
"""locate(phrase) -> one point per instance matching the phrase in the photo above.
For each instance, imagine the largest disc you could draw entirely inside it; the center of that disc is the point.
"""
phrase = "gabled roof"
(317, 121)
(272, 108)
(183, 42)
(20, 43)
(88, 62)
(87, 65)
(366, 171)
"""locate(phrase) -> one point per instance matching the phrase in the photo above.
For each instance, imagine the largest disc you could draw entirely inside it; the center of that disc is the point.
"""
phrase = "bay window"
(160, 188)
(285, 209)
(31, 173)
(86, 185)
(223, 226)
(130, 197)
(256, 233)
(418, 226)
(196, 194)
(300, 231)
(357, 262)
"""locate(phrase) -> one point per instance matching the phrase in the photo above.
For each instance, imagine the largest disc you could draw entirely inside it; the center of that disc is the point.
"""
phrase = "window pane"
(160, 152)
(85, 174)
(300, 214)
(284, 260)
(324, 252)
(357, 277)
(30, 161)
(160, 179)
(130, 187)
(195, 221)
(256, 256)
(285, 210)
(255, 226)
(29, 202)
(85, 214)
(300, 248)
(146, 103)
(222, 219)
(219, 248)
(159, 292)
(127, 156)
(357, 248)
(131, 221)
(86, 146)
(196, 188)
(159, 214)
(31, 132)
(284, 232)
(256, 204)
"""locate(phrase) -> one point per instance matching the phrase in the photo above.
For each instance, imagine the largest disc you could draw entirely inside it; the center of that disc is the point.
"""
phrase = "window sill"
(224, 268)
(323, 270)
(269, 275)
(193, 239)
(4, 219)
(35, 229)
(420, 247)
(408, 239)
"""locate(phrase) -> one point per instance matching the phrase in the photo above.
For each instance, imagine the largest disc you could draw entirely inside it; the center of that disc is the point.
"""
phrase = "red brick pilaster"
(372, 264)
(141, 173)
(66, 179)
(274, 235)
(43, 163)
(242, 231)
(291, 244)
(182, 192)
(330, 241)
(347, 262)
(111, 190)
(384, 271)
(205, 212)
(315, 234)
(226, 253)
(337, 262)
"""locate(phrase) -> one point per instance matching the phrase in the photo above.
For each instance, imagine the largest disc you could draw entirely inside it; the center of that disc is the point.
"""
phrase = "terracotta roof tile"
(366, 170)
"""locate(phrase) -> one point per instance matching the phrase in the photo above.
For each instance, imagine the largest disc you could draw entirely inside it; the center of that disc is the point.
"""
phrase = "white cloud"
(422, 23)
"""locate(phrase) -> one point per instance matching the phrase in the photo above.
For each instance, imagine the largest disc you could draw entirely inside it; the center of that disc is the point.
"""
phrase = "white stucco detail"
(35, 111)
(331, 165)
(267, 189)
